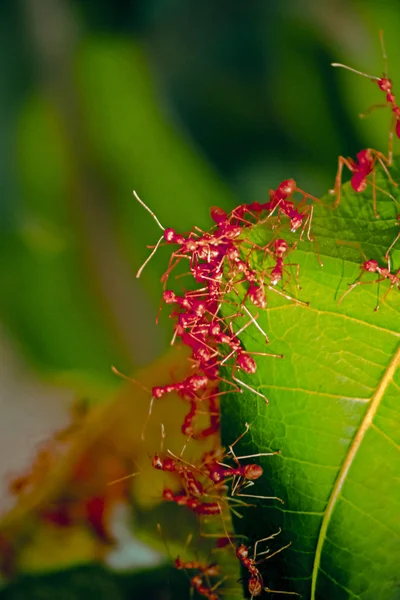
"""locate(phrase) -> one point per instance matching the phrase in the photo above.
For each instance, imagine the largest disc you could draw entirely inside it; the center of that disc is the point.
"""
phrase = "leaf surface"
(333, 408)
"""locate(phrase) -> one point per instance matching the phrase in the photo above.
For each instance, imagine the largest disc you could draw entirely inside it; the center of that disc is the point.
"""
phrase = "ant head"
(252, 472)
(179, 564)
(169, 297)
(364, 157)
(216, 475)
(370, 265)
(242, 552)
(170, 235)
(218, 215)
(287, 187)
(196, 581)
(281, 246)
(213, 570)
(157, 462)
(385, 84)
(276, 275)
(157, 391)
(168, 495)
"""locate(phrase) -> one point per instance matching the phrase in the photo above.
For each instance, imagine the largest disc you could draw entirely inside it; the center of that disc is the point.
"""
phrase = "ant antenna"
(126, 378)
(384, 55)
(123, 478)
(163, 436)
(138, 274)
(372, 77)
(148, 210)
(148, 419)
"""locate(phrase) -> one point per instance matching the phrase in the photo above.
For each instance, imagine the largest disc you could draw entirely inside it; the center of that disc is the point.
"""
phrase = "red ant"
(197, 581)
(187, 425)
(219, 472)
(279, 200)
(255, 583)
(186, 389)
(211, 570)
(204, 572)
(193, 486)
(384, 84)
(189, 245)
(361, 169)
(194, 504)
(279, 252)
(372, 266)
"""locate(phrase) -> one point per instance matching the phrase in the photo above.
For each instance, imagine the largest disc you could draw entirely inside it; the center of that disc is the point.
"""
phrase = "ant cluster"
(219, 261)
(207, 479)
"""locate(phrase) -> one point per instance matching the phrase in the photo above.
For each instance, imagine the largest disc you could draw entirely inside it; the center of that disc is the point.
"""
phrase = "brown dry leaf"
(106, 445)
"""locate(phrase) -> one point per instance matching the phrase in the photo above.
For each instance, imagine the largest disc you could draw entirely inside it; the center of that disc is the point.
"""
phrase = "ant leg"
(242, 384)
(267, 589)
(353, 245)
(289, 274)
(274, 553)
(338, 181)
(358, 282)
(310, 239)
(148, 418)
(270, 537)
(246, 431)
(258, 454)
(390, 247)
(383, 297)
(377, 216)
(384, 162)
(262, 497)
(369, 110)
(273, 289)
(254, 320)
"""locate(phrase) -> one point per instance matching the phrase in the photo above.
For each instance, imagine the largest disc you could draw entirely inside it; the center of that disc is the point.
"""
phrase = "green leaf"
(97, 582)
(50, 299)
(333, 408)
(137, 146)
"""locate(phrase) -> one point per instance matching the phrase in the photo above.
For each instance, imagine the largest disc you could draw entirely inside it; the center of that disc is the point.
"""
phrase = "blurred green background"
(192, 104)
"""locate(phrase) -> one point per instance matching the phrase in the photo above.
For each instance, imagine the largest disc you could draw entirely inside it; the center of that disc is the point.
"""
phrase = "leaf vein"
(353, 449)
(369, 516)
(387, 437)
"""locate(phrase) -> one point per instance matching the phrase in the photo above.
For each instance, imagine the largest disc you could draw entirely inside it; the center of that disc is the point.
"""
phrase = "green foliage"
(98, 583)
(74, 221)
(333, 408)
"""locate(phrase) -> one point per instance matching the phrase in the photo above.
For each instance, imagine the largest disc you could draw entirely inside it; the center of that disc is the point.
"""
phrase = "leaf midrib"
(354, 447)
